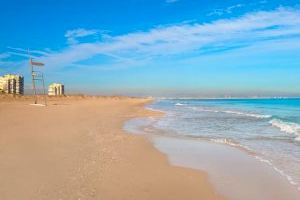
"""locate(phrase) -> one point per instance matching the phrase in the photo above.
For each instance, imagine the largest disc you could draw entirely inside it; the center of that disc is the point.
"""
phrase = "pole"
(32, 77)
(45, 97)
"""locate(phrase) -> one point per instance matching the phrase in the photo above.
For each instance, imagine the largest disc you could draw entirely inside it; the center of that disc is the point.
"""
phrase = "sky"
(166, 48)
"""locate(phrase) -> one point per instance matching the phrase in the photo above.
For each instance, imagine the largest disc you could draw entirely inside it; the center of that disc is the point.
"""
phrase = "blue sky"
(157, 47)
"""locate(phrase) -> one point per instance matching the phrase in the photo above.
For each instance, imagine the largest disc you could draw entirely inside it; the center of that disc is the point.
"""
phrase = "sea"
(264, 132)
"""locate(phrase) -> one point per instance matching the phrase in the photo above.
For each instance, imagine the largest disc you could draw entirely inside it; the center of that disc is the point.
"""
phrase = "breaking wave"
(259, 116)
(288, 127)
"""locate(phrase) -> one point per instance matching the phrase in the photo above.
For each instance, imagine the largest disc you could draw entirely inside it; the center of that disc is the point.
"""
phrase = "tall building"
(56, 89)
(12, 84)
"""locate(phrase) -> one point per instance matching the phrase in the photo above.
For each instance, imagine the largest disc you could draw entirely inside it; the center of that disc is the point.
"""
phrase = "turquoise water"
(267, 129)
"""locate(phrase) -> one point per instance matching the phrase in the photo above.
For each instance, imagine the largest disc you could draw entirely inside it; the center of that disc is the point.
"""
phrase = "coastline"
(76, 148)
(258, 178)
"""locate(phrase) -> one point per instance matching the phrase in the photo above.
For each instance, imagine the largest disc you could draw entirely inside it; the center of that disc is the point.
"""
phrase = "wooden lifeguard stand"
(37, 79)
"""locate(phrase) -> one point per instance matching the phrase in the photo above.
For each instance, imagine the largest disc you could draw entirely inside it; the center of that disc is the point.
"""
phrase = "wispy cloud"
(4, 55)
(227, 10)
(182, 39)
(171, 1)
(27, 52)
(263, 2)
(73, 35)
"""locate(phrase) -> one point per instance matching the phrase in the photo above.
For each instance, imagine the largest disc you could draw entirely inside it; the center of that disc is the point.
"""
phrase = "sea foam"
(232, 143)
(245, 114)
(288, 127)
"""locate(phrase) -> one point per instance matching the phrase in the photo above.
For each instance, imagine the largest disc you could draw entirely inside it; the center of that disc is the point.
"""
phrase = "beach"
(76, 148)
(248, 147)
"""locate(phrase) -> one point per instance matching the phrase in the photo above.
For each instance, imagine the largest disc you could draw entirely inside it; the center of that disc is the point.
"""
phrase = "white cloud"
(4, 63)
(4, 55)
(227, 10)
(73, 35)
(171, 1)
(25, 52)
(183, 39)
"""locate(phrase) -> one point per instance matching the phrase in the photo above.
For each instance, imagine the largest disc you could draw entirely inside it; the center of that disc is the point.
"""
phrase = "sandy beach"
(76, 148)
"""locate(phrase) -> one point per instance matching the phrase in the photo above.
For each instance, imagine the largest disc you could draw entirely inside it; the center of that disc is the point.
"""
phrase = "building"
(12, 84)
(56, 89)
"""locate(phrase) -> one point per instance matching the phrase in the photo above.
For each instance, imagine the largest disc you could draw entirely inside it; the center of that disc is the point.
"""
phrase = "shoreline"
(77, 149)
(208, 155)
(257, 179)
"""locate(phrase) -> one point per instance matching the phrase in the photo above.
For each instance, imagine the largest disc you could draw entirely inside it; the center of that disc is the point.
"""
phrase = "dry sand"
(75, 148)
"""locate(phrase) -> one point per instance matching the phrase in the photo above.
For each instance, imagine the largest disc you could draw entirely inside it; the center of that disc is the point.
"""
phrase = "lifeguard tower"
(38, 82)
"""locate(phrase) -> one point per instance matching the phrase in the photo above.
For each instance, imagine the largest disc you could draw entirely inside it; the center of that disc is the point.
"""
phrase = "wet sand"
(75, 148)
(235, 173)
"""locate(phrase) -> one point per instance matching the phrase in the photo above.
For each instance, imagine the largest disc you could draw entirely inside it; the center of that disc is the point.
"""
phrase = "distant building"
(56, 89)
(12, 84)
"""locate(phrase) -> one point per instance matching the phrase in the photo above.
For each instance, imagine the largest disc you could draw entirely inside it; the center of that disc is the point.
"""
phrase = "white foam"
(234, 144)
(206, 110)
(288, 127)
(289, 178)
(236, 113)
(230, 143)
(179, 104)
(248, 114)
(152, 109)
(224, 141)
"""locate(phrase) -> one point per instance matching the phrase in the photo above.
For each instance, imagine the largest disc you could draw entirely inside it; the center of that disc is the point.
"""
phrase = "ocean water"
(268, 130)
